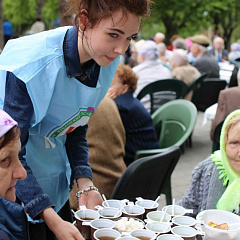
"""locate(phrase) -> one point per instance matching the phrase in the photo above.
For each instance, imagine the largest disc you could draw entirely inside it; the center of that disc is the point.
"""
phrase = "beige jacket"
(187, 74)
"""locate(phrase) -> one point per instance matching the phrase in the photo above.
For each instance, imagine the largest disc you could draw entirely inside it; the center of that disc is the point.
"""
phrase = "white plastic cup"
(159, 227)
(127, 238)
(157, 216)
(169, 237)
(133, 211)
(106, 234)
(83, 216)
(113, 203)
(187, 233)
(100, 224)
(174, 210)
(143, 234)
(184, 221)
(110, 213)
(148, 205)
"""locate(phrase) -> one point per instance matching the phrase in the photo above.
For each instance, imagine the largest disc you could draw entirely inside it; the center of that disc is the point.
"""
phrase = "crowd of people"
(70, 119)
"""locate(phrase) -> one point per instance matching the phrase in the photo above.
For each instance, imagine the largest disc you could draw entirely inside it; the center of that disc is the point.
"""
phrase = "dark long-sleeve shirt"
(138, 124)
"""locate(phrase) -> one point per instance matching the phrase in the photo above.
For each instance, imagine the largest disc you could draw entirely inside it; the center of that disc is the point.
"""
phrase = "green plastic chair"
(174, 122)
(194, 86)
(162, 91)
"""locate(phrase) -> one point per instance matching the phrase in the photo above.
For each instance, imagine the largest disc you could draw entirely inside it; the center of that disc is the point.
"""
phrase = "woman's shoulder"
(206, 163)
(33, 49)
(204, 167)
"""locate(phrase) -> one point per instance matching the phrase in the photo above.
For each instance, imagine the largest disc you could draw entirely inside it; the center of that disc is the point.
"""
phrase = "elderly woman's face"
(11, 169)
(233, 148)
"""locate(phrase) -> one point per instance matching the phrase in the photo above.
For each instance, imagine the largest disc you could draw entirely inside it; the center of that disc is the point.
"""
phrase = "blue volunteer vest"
(60, 104)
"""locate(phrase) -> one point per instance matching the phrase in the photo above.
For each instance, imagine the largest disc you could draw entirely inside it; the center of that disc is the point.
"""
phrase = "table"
(209, 114)
(226, 69)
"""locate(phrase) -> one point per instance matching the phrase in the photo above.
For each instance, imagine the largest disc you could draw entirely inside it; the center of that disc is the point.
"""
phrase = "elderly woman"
(149, 69)
(216, 180)
(235, 51)
(182, 70)
(12, 216)
(138, 124)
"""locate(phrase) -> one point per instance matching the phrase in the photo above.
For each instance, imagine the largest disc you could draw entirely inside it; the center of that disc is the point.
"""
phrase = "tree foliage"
(20, 13)
(188, 17)
(184, 18)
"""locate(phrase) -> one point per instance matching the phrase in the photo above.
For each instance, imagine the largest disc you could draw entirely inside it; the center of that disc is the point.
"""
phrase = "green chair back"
(162, 91)
(174, 122)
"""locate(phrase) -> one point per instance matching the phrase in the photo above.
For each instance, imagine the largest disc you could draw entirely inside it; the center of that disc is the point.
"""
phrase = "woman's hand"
(93, 198)
(62, 230)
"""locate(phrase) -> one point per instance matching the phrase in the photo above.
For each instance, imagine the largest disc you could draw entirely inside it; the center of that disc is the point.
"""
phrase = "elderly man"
(159, 37)
(218, 51)
(205, 63)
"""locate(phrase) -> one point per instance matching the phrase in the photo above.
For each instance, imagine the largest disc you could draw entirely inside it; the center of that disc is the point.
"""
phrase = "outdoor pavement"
(201, 149)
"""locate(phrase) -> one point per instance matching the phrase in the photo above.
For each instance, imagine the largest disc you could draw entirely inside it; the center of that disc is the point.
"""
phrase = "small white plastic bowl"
(219, 216)
(157, 216)
(174, 210)
(159, 227)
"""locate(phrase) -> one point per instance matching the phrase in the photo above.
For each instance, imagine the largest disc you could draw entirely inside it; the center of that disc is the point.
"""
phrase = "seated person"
(106, 140)
(182, 70)
(235, 51)
(215, 181)
(228, 101)
(149, 69)
(205, 63)
(138, 124)
(218, 51)
(12, 216)
(180, 43)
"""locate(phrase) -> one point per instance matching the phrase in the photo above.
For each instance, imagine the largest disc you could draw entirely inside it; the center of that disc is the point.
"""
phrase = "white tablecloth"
(226, 69)
(209, 113)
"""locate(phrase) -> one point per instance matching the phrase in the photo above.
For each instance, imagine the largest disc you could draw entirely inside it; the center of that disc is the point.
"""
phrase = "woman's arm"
(77, 150)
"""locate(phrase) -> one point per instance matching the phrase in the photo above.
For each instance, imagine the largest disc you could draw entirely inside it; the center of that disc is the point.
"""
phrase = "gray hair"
(201, 47)
(149, 50)
(180, 43)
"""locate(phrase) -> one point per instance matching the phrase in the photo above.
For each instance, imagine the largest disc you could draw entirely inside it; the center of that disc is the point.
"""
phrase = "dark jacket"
(224, 54)
(207, 64)
(13, 221)
(138, 124)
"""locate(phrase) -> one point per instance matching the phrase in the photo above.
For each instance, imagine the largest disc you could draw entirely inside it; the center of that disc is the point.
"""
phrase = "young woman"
(51, 83)
(12, 216)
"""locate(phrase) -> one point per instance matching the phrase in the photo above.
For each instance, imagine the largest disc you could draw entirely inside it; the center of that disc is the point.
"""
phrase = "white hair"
(159, 35)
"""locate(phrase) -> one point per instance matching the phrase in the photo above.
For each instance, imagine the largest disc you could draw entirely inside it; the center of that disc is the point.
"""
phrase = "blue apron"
(60, 105)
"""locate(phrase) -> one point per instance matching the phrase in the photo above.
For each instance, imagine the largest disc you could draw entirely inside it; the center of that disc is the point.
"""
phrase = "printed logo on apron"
(80, 118)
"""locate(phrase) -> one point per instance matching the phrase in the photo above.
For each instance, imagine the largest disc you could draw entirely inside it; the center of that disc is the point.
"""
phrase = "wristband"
(85, 191)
